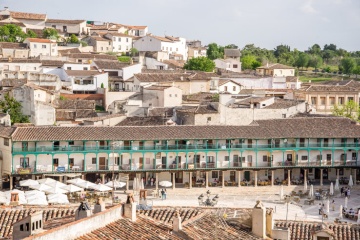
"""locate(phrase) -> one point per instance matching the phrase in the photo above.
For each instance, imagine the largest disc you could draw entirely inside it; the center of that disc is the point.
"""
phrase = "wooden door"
(179, 177)
(247, 175)
(141, 162)
(232, 176)
(102, 163)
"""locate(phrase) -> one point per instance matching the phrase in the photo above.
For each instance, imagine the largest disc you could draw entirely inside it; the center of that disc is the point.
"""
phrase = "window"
(43, 46)
(209, 119)
(35, 46)
(332, 100)
(169, 95)
(114, 39)
(322, 100)
(127, 40)
(235, 66)
(265, 158)
(302, 142)
(6, 142)
(249, 143)
(226, 158)
(24, 162)
(68, 68)
(85, 68)
(55, 161)
(93, 161)
(64, 29)
(177, 49)
(225, 89)
(242, 159)
(328, 157)
(350, 99)
(353, 156)
(175, 95)
(102, 48)
(119, 47)
(326, 142)
(119, 39)
(340, 100)
(53, 26)
(22, 227)
(249, 158)
(71, 143)
(313, 100)
(215, 174)
(284, 115)
(304, 158)
(234, 88)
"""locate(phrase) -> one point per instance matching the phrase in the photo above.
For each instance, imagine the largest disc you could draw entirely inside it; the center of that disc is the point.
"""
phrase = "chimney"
(14, 200)
(177, 222)
(259, 220)
(83, 211)
(99, 206)
(130, 208)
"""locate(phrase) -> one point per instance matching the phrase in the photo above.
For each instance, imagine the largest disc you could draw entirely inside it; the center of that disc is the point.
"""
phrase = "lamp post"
(113, 145)
(208, 201)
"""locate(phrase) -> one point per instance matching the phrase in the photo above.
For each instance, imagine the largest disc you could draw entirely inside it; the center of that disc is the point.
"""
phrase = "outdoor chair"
(187, 184)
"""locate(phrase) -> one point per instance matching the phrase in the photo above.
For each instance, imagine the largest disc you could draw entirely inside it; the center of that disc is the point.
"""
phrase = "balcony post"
(332, 156)
(130, 161)
(241, 156)
(52, 161)
(12, 165)
(321, 176)
(206, 179)
(216, 159)
(255, 178)
(283, 160)
(173, 180)
(223, 180)
(272, 177)
(177, 160)
(157, 181)
(239, 178)
(97, 161)
(190, 181)
(36, 159)
(206, 163)
(186, 160)
(229, 159)
(289, 177)
(143, 160)
(256, 157)
(320, 158)
(84, 163)
(166, 162)
(68, 161)
(308, 157)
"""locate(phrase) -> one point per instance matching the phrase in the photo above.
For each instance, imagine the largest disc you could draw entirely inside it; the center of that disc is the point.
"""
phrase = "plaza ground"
(246, 197)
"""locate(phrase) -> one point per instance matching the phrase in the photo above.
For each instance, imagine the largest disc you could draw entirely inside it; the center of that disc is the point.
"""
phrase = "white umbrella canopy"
(34, 192)
(337, 185)
(346, 202)
(4, 200)
(85, 184)
(281, 192)
(37, 201)
(117, 184)
(165, 184)
(41, 187)
(28, 182)
(56, 184)
(311, 192)
(331, 188)
(101, 188)
(38, 197)
(55, 190)
(56, 195)
(351, 182)
(75, 181)
(71, 188)
(135, 184)
(46, 180)
(341, 212)
(59, 201)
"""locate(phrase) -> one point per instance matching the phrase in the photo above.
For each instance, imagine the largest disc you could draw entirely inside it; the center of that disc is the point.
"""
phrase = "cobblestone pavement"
(245, 197)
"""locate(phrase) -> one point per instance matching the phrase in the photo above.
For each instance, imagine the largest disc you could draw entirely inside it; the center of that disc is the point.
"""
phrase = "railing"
(178, 147)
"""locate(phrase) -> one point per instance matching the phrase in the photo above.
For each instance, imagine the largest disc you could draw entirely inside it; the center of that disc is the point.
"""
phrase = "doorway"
(102, 163)
(247, 175)
(179, 177)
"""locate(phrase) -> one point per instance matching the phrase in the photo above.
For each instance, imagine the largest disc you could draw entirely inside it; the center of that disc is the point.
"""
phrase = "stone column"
(289, 177)
(127, 183)
(207, 180)
(11, 182)
(305, 175)
(354, 176)
(272, 177)
(337, 173)
(83, 176)
(190, 180)
(239, 178)
(102, 178)
(255, 178)
(173, 181)
(33, 177)
(321, 176)
(157, 181)
(61, 179)
(223, 180)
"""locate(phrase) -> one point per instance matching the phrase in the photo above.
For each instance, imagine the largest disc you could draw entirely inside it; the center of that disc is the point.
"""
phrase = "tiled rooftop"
(283, 103)
(107, 64)
(166, 215)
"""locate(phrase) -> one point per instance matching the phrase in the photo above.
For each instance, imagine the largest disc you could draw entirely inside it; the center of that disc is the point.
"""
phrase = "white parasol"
(56, 195)
(59, 201)
(41, 187)
(337, 185)
(75, 181)
(346, 202)
(117, 184)
(37, 201)
(351, 182)
(55, 190)
(28, 182)
(71, 188)
(100, 187)
(341, 212)
(56, 184)
(135, 184)
(331, 188)
(46, 180)
(85, 184)
(165, 184)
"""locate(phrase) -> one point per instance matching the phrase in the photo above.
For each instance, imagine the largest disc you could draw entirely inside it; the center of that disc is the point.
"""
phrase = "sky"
(265, 23)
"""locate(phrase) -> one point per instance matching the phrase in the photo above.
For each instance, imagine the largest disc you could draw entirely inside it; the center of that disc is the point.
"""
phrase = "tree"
(350, 110)
(232, 46)
(31, 34)
(302, 60)
(73, 39)
(214, 51)
(347, 65)
(133, 52)
(356, 70)
(51, 33)
(330, 47)
(200, 63)
(13, 107)
(328, 54)
(315, 61)
(314, 49)
(281, 49)
(11, 33)
(249, 62)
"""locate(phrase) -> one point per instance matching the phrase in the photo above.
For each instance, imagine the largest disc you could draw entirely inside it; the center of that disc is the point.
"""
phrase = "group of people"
(150, 181)
(163, 194)
(345, 191)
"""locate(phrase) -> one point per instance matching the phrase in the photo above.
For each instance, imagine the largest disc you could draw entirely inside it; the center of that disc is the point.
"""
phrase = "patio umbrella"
(351, 182)
(346, 202)
(85, 184)
(100, 187)
(41, 187)
(4, 200)
(311, 192)
(305, 186)
(135, 184)
(328, 206)
(75, 181)
(56, 195)
(165, 184)
(71, 188)
(55, 190)
(28, 182)
(34, 192)
(59, 201)
(341, 212)
(337, 185)
(37, 201)
(56, 184)
(331, 188)
(281, 192)
(117, 184)
(46, 180)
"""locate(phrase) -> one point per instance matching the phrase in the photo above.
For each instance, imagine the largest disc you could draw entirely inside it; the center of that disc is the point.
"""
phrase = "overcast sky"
(266, 23)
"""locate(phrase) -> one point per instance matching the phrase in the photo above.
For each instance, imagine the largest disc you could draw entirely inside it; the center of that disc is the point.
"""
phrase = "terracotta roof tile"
(110, 64)
(276, 66)
(64, 21)
(32, 16)
(279, 128)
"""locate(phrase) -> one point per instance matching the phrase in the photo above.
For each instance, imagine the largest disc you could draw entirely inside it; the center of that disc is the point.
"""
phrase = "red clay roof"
(40, 40)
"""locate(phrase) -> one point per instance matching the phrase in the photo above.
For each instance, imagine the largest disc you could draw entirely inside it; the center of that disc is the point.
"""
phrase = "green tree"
(50, 33)
(281, 49)
(73, 39)
(356, 70)
(11, 33)
(232, 46)
(328, 54)
(200, 63)
(350, 110)
(315, 49)
(347, 65)
(315, 61)
(31, 34)
(13, 107)
(215, 51)
(331, 46)
(83, 43)
(249, 62)
(133, 52)
(302, 60)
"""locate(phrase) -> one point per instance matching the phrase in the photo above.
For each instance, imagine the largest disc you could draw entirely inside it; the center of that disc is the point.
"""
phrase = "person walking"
(163, 194)
(320, 209)
(348, 193)
(345, 192)
(342, 190)
(152, 181)
(333, 205)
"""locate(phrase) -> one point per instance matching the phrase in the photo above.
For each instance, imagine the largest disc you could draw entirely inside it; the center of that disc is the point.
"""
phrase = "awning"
(70, 175)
